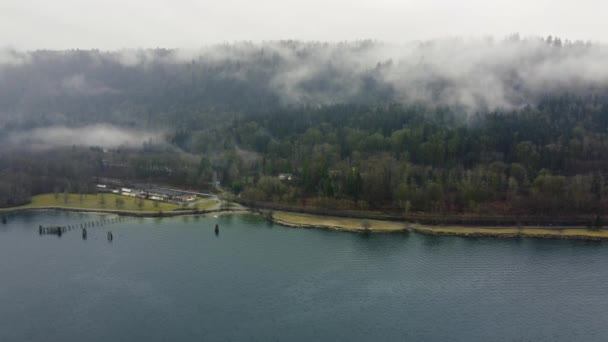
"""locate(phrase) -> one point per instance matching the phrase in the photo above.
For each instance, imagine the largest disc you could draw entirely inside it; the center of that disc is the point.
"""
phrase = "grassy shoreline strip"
(109, 204)
(126, 212)
(358, 225)
(578, 233)
(97, 202)
(336, 223)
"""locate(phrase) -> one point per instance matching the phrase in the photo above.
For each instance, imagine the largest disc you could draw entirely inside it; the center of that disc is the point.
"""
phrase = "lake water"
(173, 279)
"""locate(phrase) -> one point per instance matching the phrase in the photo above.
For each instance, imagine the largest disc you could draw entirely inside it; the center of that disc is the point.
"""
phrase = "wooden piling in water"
(52, 230)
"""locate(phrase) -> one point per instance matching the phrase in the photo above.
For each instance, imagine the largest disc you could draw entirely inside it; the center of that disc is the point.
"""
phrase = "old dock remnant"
(55, 230)
(84, 226)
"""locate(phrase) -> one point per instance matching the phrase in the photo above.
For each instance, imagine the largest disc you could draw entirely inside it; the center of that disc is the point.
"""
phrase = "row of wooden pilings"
(60, 230)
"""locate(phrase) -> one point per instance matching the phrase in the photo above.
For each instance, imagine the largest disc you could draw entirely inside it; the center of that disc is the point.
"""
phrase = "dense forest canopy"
(454, 126)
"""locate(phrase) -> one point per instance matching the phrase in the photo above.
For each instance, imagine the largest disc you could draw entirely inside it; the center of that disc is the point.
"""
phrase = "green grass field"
(99, 201)
(200, 204)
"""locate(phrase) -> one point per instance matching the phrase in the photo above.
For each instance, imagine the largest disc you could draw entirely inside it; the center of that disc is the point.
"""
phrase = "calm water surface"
(175, 280)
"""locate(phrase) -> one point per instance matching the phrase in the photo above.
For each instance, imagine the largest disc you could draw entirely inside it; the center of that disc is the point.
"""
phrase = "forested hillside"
(518, 126)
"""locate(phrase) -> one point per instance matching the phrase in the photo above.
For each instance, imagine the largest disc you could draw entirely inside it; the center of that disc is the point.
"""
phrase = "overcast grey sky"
(112, 24)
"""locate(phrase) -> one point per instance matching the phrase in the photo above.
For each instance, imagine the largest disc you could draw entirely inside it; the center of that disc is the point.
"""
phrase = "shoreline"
(308, 221)
(355, 225)
(153, 214)
(109, 204)
(571, 233)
